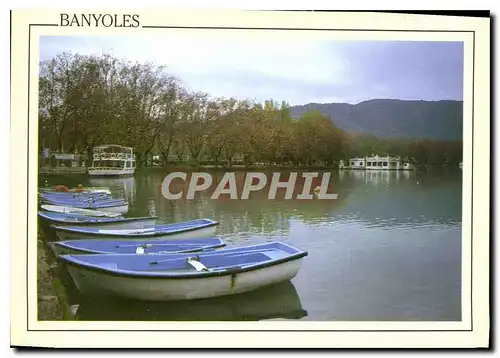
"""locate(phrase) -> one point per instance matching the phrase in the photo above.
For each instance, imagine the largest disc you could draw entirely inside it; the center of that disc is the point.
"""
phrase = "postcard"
(249, 179)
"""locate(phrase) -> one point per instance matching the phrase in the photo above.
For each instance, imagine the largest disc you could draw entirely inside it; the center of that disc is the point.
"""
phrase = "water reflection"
(277, 301)
(376, 177)
(375, 198)
(120, 187)
(389, 248)
(393, 198)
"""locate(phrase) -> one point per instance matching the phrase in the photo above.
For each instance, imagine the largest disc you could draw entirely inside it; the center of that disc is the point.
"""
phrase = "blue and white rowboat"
(182, 230)
(64, 195)
(144, 247)
(117, 206)
(75, 220)
(79, 211)
(82, 199)
(175, 277)
(91, 190)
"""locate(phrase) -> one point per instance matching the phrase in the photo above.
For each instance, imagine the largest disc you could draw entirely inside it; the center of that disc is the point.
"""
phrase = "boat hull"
(149, 247)
(61, 250)
(91, 190)
(79, 211)
(78, 221)
(85, 204)
(99, 283)
(117, 225)
(199, 233)
(117, 209)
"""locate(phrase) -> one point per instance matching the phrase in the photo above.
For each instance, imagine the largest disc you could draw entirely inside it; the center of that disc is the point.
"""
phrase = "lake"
(388, 248)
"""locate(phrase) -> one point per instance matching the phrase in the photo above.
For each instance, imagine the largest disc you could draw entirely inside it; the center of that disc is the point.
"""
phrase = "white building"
(376, 162)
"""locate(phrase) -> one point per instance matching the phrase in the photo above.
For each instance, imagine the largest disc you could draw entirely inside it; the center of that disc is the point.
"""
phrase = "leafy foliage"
(85, 101)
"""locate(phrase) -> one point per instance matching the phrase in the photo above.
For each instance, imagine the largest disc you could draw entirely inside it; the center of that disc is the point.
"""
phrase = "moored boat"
(187, 276)
(47, 199)
(82, 201)
(116, 206)
(74, 220)
(77, 190)
(112, 160)
(79, 211)
(186, 229)
(74, 196)
(144, 247)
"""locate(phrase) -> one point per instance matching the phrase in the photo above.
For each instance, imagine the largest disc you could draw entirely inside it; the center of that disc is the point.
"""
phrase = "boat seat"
(235, 259)
(197, 265)
(274, 254)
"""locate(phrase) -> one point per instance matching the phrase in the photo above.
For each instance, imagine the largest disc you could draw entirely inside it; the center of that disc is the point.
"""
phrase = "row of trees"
(85, 101)
(420, 151)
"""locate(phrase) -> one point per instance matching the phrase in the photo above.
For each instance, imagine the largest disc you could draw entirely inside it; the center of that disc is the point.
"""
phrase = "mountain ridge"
(394, 118)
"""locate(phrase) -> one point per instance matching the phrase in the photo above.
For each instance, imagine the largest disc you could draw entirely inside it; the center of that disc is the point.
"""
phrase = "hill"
(391, 118)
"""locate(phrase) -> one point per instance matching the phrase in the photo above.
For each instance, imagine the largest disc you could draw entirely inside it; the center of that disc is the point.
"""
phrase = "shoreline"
(51, 294)
(193, 167)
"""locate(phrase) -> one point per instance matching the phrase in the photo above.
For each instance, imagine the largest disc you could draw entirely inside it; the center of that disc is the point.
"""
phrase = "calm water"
(388, 249)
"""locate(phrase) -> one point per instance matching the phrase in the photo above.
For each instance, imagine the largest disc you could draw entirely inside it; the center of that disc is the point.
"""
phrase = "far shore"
(189, 167)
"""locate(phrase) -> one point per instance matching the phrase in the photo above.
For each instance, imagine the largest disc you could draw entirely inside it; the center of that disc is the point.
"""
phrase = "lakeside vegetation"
(85, 101)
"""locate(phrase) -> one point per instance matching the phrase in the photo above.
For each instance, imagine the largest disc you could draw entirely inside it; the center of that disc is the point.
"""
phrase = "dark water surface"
(389, 248)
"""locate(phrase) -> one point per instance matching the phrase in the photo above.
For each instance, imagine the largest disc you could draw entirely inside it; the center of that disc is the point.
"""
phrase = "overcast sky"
(298, 71)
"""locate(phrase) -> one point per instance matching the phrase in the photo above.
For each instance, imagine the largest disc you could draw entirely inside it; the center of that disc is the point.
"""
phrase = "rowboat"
(144, 247)
(116, 206)
(182, 230)
(74, 220)
(77, 201)
(104, 191)
(81, 199)
(79, 211)
(188, 276)
(85, 190)
(279, 301)
(84, 202)
(74, 196)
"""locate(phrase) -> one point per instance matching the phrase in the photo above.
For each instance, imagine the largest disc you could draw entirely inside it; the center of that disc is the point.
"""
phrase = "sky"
(298, 71)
